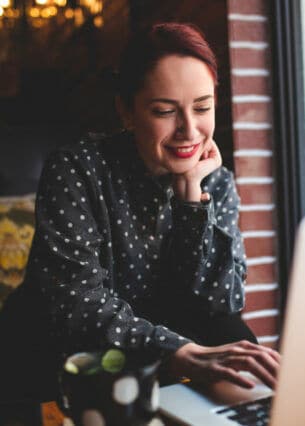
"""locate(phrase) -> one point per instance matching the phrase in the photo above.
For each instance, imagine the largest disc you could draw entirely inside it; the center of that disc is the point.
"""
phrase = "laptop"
(228, 404)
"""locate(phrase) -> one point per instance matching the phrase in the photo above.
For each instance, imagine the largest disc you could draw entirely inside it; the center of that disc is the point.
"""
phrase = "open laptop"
(221, 404)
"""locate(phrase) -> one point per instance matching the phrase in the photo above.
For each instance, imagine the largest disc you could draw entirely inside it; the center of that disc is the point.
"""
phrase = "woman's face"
(173, 115)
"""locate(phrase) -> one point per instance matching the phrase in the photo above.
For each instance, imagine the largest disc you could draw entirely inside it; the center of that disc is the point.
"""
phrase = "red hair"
(145, 48)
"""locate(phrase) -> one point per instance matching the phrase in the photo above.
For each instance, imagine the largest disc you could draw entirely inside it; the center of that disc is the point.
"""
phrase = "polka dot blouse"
(116, 256)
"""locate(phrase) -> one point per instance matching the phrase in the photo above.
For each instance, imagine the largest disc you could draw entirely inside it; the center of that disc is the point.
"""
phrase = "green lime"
(113, 361)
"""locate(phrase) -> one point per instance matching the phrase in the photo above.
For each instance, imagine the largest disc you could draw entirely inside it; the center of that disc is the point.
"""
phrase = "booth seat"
(23, 152)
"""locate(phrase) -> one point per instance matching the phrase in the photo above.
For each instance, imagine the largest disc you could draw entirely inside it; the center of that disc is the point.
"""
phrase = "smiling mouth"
(183, 151)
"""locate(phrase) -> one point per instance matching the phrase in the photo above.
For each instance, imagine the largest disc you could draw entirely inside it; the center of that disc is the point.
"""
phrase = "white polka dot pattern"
(155, 396)
(125, 390)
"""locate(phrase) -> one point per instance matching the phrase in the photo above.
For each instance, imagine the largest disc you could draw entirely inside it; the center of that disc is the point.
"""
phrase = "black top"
(116, 258)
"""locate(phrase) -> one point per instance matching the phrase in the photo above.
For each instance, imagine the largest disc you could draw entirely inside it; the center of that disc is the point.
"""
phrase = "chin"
(181, 166)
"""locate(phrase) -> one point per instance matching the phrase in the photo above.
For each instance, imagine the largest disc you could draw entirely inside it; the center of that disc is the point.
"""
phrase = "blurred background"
(57, 59)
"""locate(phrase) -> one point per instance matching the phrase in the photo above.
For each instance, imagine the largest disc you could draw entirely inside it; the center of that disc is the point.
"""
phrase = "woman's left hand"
(187, 185)
(211, 364)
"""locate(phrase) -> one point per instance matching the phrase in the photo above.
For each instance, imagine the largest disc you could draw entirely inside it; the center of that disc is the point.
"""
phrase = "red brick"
(253, 85)
(256, 247)
(253, 166)
(253, 112)
(255, 7)
(250, 58)
(249, 221)
(252, 139)
(262, 300)
(266, 326)
(266, 273)
(248, 30)
(256, 194)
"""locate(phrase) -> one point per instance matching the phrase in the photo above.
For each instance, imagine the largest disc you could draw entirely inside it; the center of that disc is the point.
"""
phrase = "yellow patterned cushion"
(16, 234)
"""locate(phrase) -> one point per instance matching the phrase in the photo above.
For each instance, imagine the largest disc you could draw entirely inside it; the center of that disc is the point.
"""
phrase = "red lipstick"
(183, 151)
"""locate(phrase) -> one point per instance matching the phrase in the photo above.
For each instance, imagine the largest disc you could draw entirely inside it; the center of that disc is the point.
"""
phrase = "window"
(289, 124)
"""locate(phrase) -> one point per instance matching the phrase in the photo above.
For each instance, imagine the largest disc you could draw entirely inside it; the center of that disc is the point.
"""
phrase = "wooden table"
(25, 413)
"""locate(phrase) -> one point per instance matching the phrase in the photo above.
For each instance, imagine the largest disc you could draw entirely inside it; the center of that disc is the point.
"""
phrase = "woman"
(137, 243)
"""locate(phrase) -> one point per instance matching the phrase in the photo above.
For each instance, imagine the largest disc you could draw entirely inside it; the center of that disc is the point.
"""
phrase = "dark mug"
(110, 388)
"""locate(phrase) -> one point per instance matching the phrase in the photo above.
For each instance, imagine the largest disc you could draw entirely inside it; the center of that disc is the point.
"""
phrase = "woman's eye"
(163, 112)
(202, 110)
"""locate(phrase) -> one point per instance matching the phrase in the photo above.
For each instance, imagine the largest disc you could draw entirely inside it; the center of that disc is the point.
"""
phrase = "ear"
(124, 112)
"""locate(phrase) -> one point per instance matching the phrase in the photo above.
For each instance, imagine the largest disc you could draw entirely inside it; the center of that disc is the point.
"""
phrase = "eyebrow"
(172, 101)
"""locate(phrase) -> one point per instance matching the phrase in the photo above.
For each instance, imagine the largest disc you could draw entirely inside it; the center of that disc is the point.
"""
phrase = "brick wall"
(249, 46)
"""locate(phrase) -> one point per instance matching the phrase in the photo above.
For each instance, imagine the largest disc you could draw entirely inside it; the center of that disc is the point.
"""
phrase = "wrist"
(188, 191)
(179, 362)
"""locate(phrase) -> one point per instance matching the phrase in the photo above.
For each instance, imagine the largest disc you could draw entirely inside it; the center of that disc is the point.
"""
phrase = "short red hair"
(145, 48)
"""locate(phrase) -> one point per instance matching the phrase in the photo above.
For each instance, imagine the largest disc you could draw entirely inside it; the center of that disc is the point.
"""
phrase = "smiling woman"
(175, 115)
(137, 243)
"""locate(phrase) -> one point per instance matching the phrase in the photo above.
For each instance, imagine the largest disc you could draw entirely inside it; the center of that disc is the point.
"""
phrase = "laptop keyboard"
(252, 413)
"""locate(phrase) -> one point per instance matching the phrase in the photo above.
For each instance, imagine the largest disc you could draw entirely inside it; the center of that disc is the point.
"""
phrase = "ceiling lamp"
(40, 13)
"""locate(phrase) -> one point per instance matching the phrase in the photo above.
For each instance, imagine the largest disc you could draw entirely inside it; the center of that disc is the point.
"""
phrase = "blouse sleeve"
(65, 265)
(206, 253)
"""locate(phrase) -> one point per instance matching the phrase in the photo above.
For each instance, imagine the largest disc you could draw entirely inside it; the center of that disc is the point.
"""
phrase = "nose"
(186, 127)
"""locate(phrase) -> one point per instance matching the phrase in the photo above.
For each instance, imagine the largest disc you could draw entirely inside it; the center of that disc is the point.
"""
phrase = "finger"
(263, 356)
(205, 196)
(211, 150)
(212, 146)
(213, 371)
(205, 167)
(238, 348)
(264, 359)
(233, 376)
(204, 155)
(234, 351)
(208, 143)
(214, 153)
(248, 363)
(274, 354)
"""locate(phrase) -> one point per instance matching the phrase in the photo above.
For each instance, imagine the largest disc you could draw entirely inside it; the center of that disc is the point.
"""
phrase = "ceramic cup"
(110, 388)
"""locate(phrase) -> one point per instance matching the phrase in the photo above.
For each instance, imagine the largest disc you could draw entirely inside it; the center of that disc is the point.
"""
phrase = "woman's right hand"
(211, 364)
